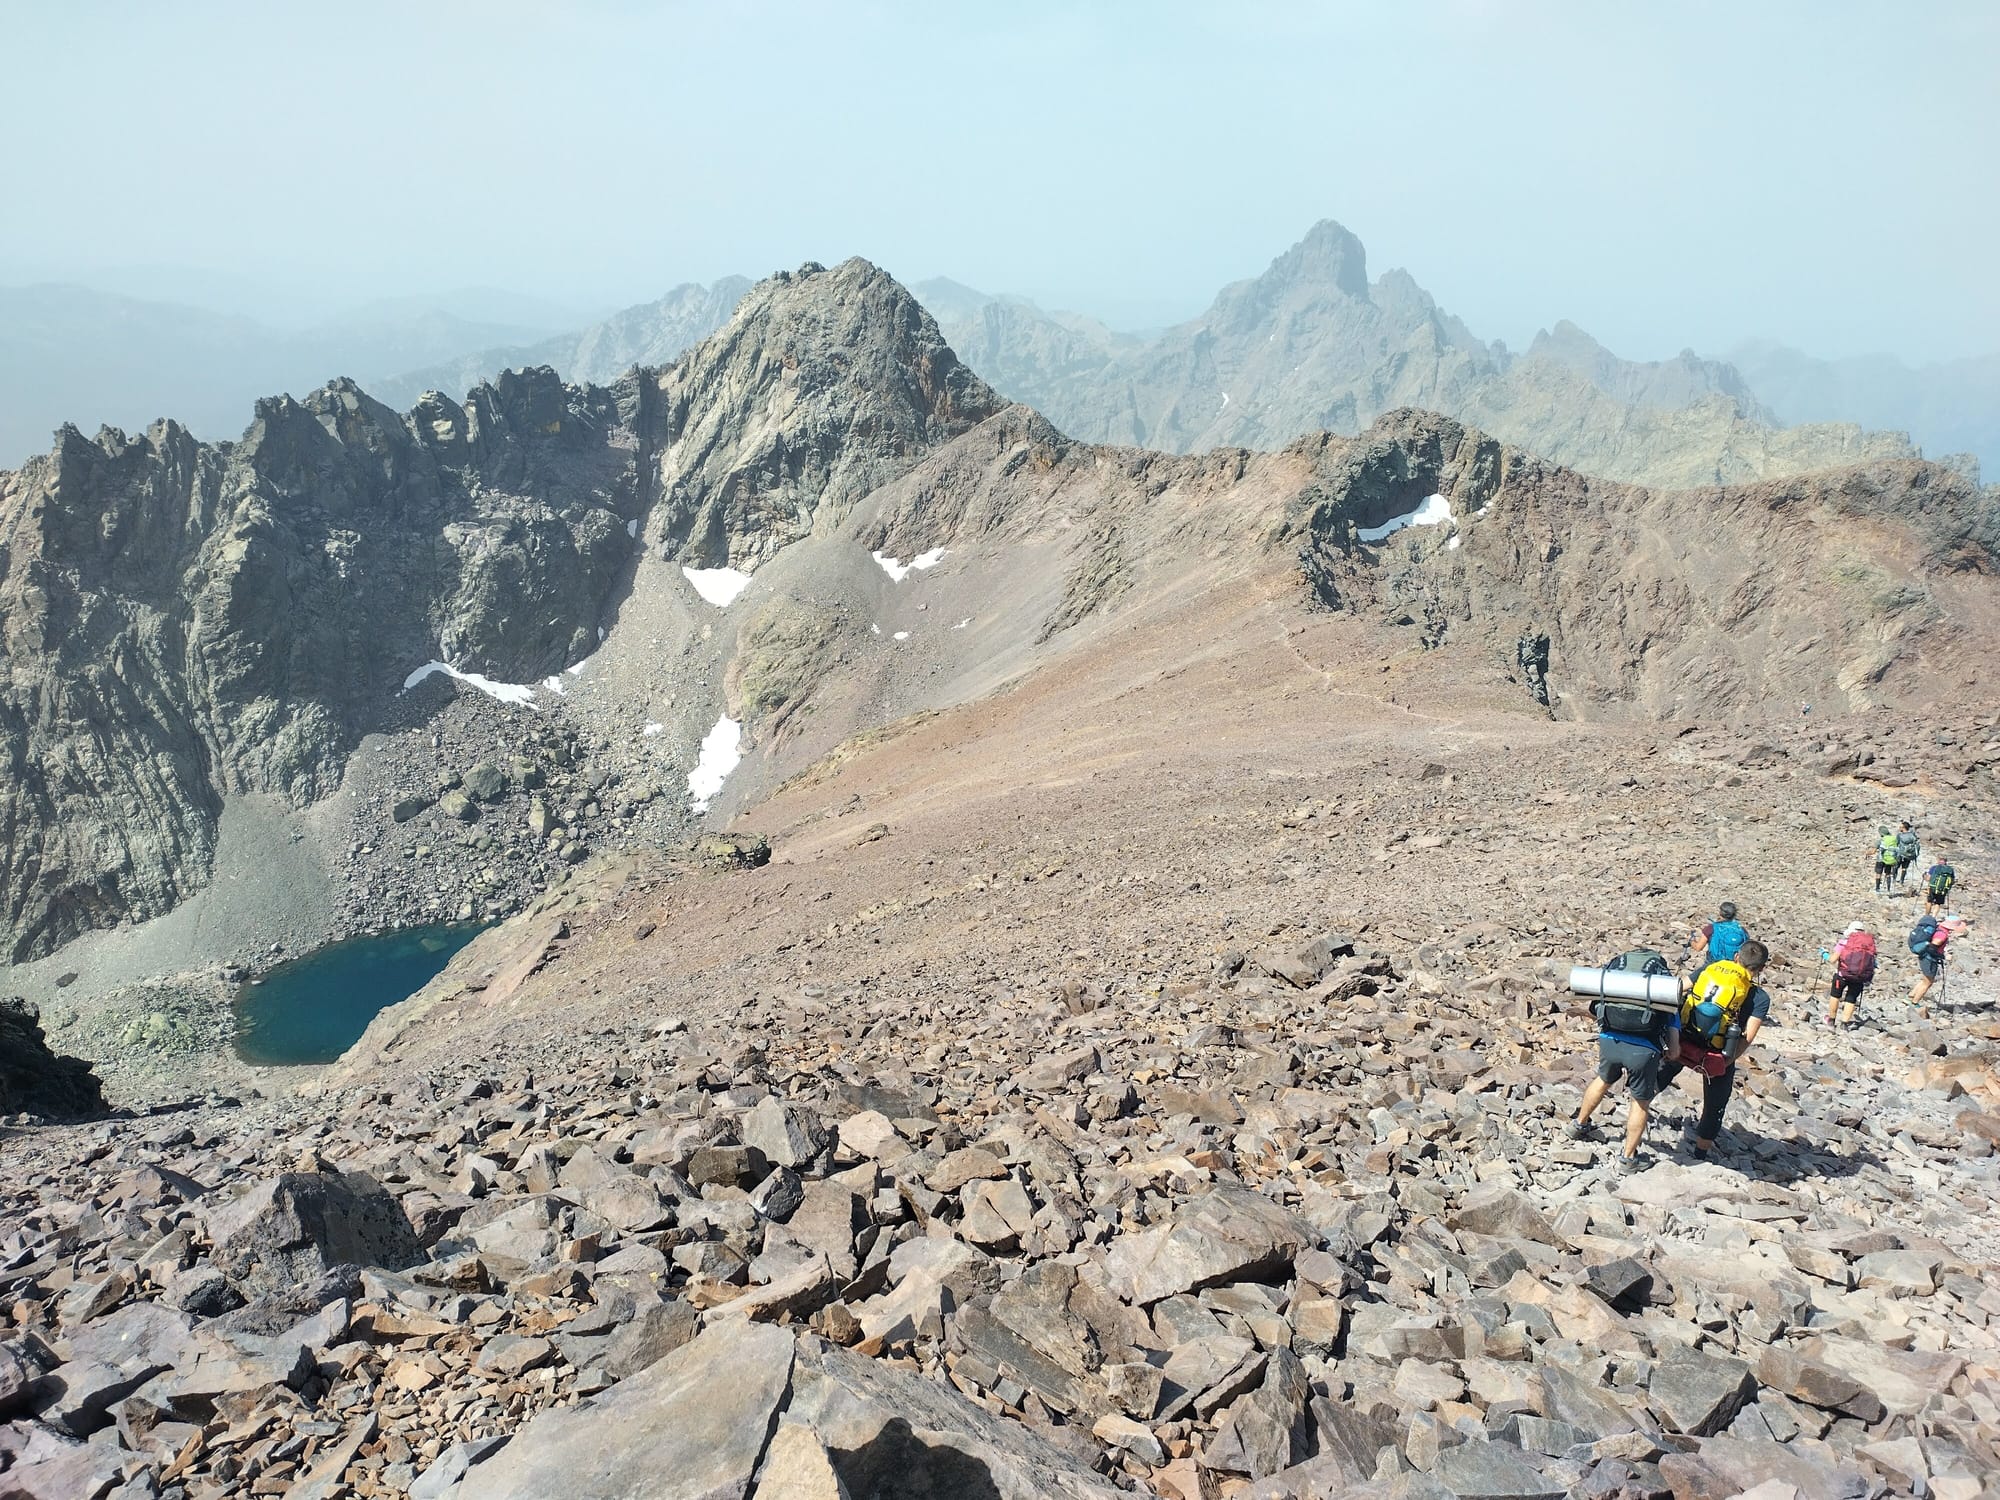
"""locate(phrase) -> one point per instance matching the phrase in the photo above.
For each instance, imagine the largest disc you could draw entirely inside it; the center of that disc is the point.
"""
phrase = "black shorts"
(1848, 990)
(1616, 1059)
(1931, 963)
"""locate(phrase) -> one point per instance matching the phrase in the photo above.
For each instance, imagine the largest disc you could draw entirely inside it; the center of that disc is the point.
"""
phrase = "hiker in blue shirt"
(1718, 939)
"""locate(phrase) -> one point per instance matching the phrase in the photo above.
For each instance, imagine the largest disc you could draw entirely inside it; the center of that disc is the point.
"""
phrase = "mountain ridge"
(1312, 343)
(262, 599)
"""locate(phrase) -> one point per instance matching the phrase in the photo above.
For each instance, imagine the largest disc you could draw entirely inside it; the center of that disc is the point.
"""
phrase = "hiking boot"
(1582, 1130)
(1627, 1165)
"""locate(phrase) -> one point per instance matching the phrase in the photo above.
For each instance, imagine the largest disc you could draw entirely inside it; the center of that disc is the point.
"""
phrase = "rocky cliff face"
(184, 620)
(1313, 344)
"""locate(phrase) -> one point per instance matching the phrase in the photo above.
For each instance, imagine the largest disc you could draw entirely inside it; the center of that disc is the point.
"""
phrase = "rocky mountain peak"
(1329, 255)
(825, 384)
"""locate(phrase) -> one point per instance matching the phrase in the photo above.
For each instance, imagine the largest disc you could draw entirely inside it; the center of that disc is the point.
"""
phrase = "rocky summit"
(1016, 967)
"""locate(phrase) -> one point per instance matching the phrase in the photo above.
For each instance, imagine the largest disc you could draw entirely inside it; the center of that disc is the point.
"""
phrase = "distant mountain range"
(1313, 343)
(72, 354)
(1950, 408)
(652, 333)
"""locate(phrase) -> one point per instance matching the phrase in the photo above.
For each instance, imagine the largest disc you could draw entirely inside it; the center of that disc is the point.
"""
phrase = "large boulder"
(891, 1432)
(748, 1408)
(1228, 1234)
(294, 1228)
(697, 1420)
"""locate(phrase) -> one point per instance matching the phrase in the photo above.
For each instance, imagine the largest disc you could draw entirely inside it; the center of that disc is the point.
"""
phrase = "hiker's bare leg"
(1592, 1097)
(1635, 1126)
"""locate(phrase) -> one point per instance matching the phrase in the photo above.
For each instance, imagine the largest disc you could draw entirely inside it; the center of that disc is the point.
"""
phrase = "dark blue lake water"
(314, 1008)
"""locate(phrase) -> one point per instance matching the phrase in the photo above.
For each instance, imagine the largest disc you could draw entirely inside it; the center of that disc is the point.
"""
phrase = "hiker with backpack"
(1928, 940)
(1634, 1039)
(1938, 882)
(1885, 861)
(1718, 939)
(1853, 972)
(1724, 1010)
(1907, 850)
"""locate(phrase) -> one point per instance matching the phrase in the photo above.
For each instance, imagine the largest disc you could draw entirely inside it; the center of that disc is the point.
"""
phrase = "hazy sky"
(1665, 174)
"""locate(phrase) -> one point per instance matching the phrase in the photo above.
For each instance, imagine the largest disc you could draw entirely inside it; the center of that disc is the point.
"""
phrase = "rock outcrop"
(1673, 603)
(35, 1079)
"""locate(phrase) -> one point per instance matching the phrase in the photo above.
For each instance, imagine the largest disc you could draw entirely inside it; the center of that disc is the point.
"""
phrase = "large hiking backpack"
(1907, 848)
(1921, 935)
(1641, 961)
(1857, 958)
(1940, 881)
(1885, 851)
(1636, 1017)
(1724, 938)
(1712, 1007)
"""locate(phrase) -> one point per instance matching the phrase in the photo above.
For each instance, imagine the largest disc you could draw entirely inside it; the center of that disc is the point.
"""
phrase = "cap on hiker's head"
(1953, 922)
(1852, 928)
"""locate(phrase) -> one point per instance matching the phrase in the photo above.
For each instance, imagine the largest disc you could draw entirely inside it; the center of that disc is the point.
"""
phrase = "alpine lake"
(315, 1007)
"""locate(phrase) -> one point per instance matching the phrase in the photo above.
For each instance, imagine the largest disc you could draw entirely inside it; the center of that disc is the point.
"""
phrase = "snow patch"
(1452, 545)
(1433, 512)
(631, 528)
(652, 728)
(963, 623)
(577, 670)
(507, 692)
(898, 570)
(721, 753)
(554, 685)
(719, 586)
(874, 629)
(901, 635)
(1225, 400)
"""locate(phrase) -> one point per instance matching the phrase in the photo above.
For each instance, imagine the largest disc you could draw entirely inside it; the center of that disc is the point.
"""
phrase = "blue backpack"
(1724, 939)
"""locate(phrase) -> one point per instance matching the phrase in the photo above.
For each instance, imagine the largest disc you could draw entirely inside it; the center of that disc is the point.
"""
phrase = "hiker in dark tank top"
(1724, 1010)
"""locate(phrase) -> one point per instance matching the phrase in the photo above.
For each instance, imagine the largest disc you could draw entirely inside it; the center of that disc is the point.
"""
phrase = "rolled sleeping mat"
(1618, 984)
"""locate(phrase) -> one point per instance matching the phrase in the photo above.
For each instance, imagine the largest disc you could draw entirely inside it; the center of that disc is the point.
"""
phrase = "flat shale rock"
(1229, 1234)
(695, 1423)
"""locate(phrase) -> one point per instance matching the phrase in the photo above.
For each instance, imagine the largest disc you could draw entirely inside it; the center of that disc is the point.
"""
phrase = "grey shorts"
(1616, 1060)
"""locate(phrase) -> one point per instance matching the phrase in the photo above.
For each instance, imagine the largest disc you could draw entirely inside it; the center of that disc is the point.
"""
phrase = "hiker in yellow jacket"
(1721, 1016)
